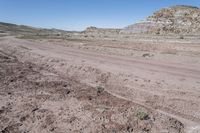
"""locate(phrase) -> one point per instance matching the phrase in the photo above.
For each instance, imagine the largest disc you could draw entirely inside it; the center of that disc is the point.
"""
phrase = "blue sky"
(79, 14)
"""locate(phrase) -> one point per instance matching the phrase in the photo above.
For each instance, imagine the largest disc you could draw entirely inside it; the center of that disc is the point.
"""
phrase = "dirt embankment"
(35, 100)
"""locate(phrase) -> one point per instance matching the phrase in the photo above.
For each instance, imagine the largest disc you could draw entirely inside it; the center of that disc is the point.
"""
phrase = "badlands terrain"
(101, 80)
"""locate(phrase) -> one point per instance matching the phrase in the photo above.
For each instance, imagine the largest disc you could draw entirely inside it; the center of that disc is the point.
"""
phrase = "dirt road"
(169, 88)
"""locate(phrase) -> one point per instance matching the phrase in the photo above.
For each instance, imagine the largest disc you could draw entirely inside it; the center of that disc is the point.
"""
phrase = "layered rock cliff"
(173, 20)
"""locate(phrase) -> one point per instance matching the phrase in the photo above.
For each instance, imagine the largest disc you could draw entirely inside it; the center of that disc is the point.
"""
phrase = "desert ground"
(99, 85)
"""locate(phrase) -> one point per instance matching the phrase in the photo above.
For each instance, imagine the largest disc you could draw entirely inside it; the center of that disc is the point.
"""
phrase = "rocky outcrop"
(95, 30)
(172, 20)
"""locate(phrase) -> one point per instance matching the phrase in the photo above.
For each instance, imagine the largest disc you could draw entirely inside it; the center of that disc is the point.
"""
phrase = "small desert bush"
(181, 37)
(99, 90)
(142, 114)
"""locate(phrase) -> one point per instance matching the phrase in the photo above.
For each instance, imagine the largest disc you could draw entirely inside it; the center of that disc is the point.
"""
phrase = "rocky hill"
(173, 20)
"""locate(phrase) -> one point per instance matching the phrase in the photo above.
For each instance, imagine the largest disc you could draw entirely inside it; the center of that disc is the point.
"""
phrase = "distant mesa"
(95, 30)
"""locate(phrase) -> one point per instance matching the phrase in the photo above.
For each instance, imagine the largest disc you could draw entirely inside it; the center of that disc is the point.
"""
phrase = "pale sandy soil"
(51, 85)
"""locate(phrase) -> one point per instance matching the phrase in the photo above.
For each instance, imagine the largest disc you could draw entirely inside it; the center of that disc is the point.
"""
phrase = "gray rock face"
(172, 20)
